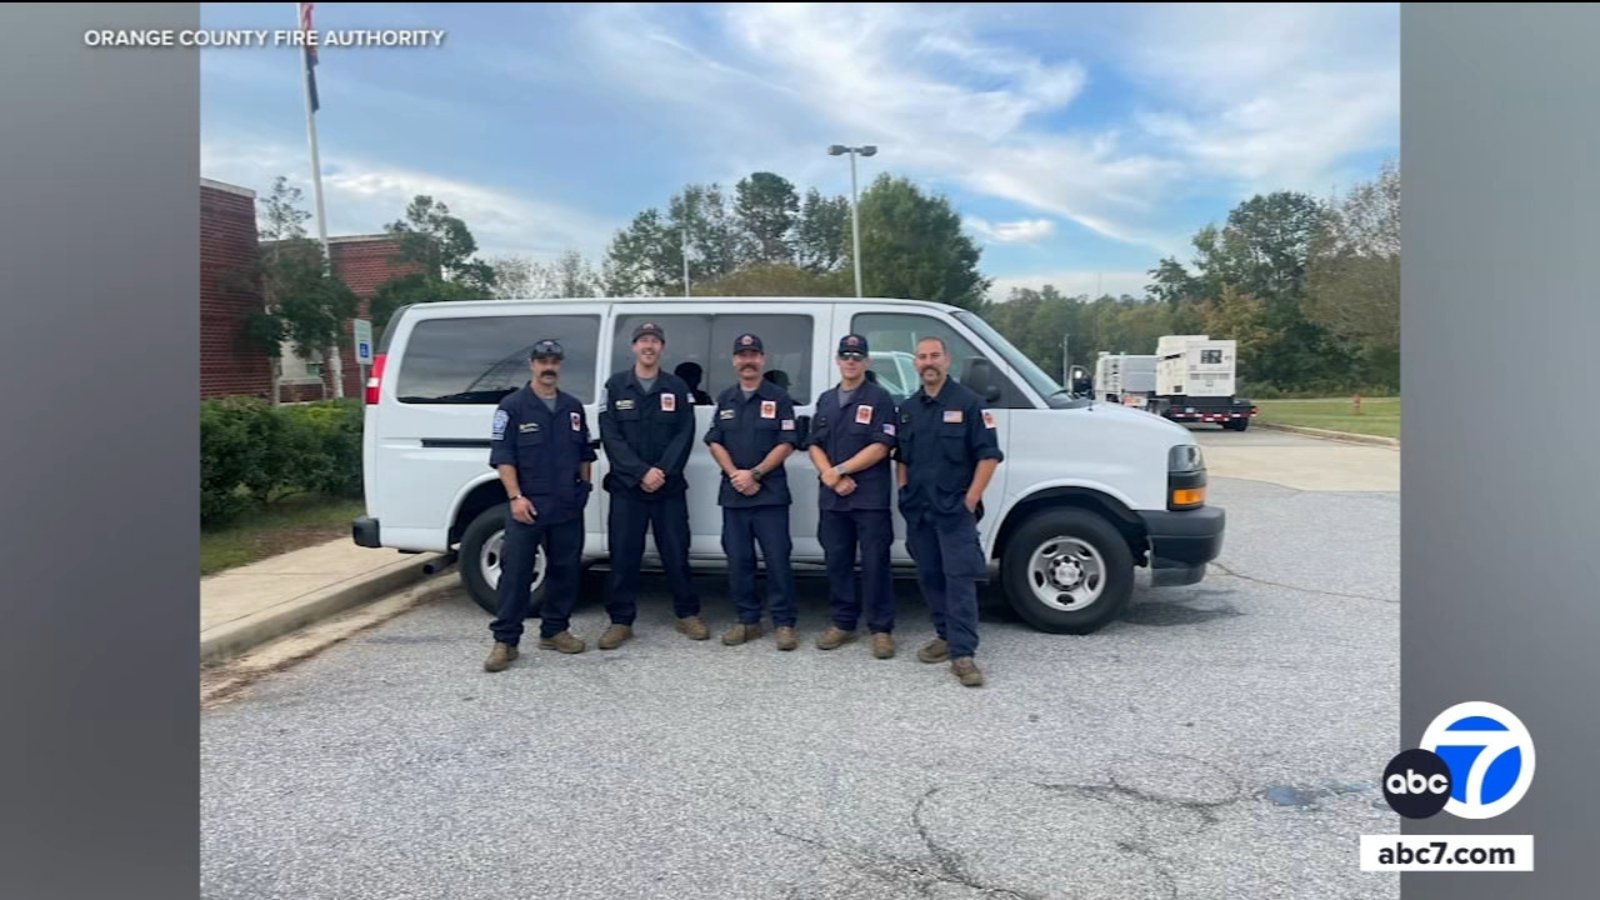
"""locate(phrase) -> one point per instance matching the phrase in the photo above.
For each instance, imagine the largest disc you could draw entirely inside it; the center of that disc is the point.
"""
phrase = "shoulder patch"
(501, 419)
(863, 415)
(888, 428)
(788, 425)
(988, 419)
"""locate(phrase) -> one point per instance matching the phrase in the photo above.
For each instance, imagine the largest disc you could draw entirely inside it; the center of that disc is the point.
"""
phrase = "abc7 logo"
(1475, 762)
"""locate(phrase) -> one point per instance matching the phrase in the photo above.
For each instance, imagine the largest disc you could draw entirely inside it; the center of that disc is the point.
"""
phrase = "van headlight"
(1186, 477)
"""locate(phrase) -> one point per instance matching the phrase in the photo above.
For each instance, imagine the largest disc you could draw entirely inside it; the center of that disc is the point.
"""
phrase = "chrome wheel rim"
(1066, 574)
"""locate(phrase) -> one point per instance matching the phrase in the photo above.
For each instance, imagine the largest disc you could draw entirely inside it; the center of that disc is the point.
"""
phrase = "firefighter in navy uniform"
(851, 439)
(948, 452)
(647, 429)
(540, 447)
(752, 433)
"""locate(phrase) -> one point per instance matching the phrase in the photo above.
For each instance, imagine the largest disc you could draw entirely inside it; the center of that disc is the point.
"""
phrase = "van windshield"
(1024, 366)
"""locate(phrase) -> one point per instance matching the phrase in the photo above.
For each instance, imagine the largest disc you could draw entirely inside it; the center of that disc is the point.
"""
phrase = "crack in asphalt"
(951, 867)
(1294, 587)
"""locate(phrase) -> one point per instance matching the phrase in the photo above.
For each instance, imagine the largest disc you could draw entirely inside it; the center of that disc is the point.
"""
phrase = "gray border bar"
(99, 349)
(1501, 325)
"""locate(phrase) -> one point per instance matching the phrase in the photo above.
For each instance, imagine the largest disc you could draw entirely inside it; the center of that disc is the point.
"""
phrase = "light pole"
(855, 217)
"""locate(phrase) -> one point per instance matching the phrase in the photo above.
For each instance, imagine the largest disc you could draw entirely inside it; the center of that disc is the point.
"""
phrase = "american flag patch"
(888, 428)
(788, 425)
(953, 417)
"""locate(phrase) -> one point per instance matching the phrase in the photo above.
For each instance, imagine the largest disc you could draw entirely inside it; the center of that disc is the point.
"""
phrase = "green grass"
(1380, 416)
(288, 524)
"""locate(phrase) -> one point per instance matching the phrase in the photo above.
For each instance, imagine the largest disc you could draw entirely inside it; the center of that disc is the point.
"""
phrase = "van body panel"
(424, 454)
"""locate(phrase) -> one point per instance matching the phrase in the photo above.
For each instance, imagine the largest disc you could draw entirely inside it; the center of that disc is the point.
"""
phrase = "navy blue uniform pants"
(563, 555)
(742, 529)
(668, 519)
(841, 533)
(950, 564)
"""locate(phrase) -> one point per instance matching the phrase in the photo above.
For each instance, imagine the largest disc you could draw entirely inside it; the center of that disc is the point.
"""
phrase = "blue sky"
(1080, 143)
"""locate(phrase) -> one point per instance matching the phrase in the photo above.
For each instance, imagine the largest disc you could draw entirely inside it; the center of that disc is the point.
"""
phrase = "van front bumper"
(365, 532)
(1181, 543)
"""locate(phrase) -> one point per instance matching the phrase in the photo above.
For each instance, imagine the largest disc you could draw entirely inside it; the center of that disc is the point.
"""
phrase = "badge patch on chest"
(577, 422)
(725, 414)
(669, 402)
(863, 415)
(526, 427)
(953, 417)
(769, 409)
(988, 419)
(624, 404)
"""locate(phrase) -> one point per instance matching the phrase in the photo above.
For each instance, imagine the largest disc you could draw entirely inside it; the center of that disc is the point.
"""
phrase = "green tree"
(912, 246)
(1264, 251)
(768, 209)
(1353, 282)
(822, 239)
(441, 248)
(777, 280)
(304, 306)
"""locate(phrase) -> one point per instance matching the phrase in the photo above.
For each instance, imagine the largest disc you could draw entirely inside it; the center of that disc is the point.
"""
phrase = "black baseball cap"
(650, 328)
(748, 342)
(853, 344)
(547, 348)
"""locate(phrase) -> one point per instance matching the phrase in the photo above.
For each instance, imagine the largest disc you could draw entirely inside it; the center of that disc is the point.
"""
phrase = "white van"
(1088, 491)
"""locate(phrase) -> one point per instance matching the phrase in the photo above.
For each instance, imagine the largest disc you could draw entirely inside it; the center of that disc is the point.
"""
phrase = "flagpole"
(303, 22)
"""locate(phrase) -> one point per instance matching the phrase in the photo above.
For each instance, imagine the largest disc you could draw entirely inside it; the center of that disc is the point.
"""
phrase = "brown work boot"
(787, 639)
(564, 642)
(936, 650)
(615, 635)
(500, 657)
(834, 638)
(967, 670)
(694, 627)
(883, 645)
(738, 634)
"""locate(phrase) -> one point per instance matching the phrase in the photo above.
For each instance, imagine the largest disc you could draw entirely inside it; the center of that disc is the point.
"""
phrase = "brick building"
(229, 365)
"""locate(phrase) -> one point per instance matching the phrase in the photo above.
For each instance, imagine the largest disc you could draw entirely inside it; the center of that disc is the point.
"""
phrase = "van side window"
(481, 360)
(893, 338)
(705, 343)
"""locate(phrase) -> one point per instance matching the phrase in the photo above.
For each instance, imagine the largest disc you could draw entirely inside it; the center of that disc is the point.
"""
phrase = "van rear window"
(481, 360)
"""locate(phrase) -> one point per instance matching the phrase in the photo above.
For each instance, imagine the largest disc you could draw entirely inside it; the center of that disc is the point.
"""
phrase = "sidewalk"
(243, 607)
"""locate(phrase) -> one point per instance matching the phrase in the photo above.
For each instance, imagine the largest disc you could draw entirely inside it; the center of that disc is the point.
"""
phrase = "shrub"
(251, 453)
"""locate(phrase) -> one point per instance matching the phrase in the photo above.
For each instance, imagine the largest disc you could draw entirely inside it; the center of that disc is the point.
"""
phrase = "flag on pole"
(310, 51)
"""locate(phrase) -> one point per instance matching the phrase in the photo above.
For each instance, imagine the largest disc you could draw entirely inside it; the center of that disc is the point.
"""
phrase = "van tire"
(1097, 540)
(489, 529)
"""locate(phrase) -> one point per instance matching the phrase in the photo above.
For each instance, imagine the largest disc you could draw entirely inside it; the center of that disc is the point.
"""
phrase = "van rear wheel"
(479, 558)
(1067, 571)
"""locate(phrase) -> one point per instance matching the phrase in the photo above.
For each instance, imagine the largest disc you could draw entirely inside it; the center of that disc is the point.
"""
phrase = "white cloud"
(1026, 231)
(1263, 97)
(1074, 283)
(362, 196)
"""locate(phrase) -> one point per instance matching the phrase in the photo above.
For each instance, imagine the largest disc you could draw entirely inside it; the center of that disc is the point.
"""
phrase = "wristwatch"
(515, 499)
(839, 470)
(756, 473)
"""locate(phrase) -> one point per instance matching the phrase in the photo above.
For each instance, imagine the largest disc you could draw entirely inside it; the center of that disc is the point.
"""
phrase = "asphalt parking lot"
(1220, 740)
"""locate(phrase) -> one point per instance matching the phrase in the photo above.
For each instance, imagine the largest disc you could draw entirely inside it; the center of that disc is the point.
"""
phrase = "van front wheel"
(482, 546)
(1067, 571)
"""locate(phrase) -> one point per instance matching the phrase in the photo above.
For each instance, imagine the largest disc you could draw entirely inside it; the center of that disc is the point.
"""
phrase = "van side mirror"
(979, 376)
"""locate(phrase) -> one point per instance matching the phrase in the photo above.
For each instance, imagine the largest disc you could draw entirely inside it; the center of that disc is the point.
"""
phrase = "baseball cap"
(853, 344)
(649, 328)
(748, 342)
(547, 348)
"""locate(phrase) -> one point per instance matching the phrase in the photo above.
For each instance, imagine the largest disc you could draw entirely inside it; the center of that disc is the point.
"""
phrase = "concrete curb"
(1331, 435)
(233, 638)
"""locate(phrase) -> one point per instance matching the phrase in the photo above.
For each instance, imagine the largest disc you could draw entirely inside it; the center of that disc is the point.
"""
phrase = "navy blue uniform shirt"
(641, 431)
(548, 450)
(941, 441)
(869, 418)
(749, 430)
